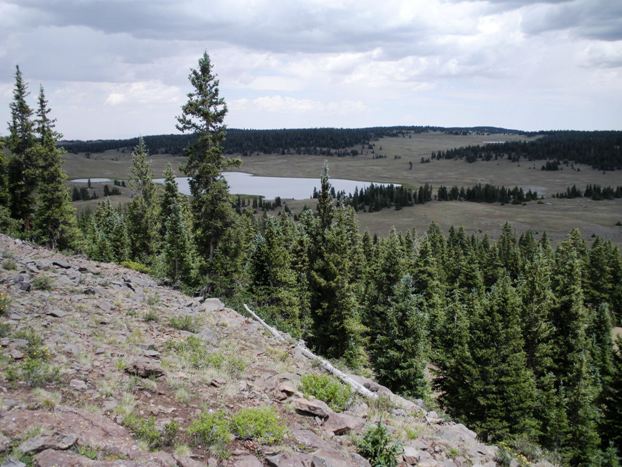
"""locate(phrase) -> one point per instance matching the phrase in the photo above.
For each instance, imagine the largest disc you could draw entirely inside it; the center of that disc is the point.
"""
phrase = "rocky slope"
(120, 365)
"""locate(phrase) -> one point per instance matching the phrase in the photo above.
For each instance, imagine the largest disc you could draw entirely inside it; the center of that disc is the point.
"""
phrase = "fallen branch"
(325, 364)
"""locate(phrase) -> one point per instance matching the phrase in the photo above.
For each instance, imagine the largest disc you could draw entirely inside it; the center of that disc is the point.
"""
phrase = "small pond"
(241, 183)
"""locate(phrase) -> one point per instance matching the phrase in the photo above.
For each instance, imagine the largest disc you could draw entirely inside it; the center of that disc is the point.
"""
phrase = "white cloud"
(292, 104)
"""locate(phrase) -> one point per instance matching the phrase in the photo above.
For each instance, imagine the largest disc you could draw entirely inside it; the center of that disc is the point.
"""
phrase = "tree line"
(601, 150)
(320, 141)
(516, 334)
(594, 192)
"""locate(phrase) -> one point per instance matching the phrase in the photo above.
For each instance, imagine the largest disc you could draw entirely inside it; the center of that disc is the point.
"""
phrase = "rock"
(145, 369)
(341, 424)
(92, 429)
(213, 304)
(307, 438)
(285, 389)
(16, 354)
(23, 282)
(313, 407)
(5, 443)
(247, 461)
(334, 458)
(42, 442)
(288, 459)
(411, 455)
(78, 385)
(150, 353)
(185, 461)
(61, 264)
(55, 312)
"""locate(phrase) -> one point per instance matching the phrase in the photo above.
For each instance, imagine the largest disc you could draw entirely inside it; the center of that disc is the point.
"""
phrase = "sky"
(119, 68)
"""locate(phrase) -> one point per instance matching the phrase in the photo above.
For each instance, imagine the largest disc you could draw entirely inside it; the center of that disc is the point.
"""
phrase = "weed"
(150, 316)
(87, 451)
(169, 433)
(5, 302)
(144, 429)
(5, 329)
(9, 264)
(182, 395)
(153, 300)
(212, 430)
(259, 423)
(412, 433)
(43, 282)
(45, 399)
(185, 323)
(377, 447)
(327, 389)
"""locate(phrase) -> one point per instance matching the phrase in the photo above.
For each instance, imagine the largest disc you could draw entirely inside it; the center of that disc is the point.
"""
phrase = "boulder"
(326, 457)
(144, 368)
(289, 459)
(42, 442)
(247, 461)
(78, 385)
(312, 407)
(341, 424)
(213, 304)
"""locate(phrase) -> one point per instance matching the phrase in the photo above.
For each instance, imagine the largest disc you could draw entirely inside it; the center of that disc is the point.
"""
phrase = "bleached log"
(325, 364)
(272, 331)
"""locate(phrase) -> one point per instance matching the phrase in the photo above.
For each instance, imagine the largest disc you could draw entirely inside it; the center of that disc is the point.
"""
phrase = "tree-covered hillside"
(324, 141)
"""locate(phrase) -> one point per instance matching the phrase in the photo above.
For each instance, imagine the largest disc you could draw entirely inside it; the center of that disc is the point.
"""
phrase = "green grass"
(43, 282)
(328, 389)
(185, 323)
(144, 429)
(9, 264)
(5, 302)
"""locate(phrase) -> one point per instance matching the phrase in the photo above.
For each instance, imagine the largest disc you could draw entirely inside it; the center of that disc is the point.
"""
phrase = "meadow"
(555, 216)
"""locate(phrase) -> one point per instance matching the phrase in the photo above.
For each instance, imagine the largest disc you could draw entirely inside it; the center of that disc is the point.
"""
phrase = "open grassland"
(556, 216)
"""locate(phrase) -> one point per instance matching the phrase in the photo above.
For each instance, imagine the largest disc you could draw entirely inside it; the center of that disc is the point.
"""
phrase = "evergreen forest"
(510, 336)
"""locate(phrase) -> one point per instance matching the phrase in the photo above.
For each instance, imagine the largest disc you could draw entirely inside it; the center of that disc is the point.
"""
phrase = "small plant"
(5, 329)
(185, 323)
(45, 399)
(135, 266)
(9, 264)
(151, 316)
(211, 429)
(327, 389)
(153, 300)
(5, 302)
(169, 433)
(87, 451)
(412, 433)
(259, 423)
(378, 448)
(144, 429)
(34, 369)
(42, 282)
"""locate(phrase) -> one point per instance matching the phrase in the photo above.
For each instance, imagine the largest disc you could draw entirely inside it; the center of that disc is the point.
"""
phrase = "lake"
(241, 183)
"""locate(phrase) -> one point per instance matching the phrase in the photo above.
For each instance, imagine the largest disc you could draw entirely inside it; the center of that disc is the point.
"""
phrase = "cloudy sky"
(118, 68)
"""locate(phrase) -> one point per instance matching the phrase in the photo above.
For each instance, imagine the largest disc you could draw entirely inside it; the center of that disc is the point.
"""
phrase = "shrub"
(377, 447)
(184, 323)
(42, 282)
(36, 372)
(9, 264)
(212, 430)
(169, 433)
(135, 266)
(5, 302)
(327, 389)
(144, 429)
(259, 423)
(87, 451)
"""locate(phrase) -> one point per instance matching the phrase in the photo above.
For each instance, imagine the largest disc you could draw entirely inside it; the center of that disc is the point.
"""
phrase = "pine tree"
(142, 210)
(7, 225)
(611, 426)
(178, 262)
(203, 115)
(456, 372)
(601, 343)
(272, 281)
(404, 338)
(23, 166)
(504, 387)
(54, 223)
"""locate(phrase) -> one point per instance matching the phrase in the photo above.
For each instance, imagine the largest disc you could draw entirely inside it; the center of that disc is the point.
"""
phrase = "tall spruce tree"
(203, 115)
(142, 212)
(611, 425)
(23, 167)
(54, 223)
(273, 281)
(404, 338)
(504, 387)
